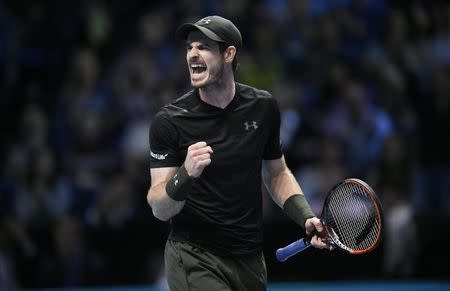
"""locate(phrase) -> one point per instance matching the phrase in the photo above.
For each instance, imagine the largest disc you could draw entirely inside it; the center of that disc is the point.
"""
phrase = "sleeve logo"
(158, 156)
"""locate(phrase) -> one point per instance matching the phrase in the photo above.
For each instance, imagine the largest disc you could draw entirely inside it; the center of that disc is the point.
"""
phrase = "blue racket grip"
(288, 251)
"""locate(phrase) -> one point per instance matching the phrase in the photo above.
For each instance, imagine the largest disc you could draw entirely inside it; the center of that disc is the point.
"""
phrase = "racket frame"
(379, 214)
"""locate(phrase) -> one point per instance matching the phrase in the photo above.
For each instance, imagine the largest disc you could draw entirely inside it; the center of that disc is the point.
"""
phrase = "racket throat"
(336, 241)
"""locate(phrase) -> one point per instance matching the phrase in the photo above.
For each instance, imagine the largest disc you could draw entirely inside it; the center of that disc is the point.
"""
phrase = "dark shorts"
(191, 268)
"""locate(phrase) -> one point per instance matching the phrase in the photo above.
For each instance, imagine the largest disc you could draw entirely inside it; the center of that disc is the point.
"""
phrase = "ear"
(229, 54)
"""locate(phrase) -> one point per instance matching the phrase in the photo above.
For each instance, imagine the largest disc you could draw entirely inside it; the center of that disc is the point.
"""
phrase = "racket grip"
(288, 251)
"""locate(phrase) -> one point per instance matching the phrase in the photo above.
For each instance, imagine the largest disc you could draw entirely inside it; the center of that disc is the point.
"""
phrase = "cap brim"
(183, 31)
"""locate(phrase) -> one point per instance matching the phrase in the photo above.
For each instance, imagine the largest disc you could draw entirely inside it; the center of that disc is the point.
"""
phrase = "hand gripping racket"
(352, 219)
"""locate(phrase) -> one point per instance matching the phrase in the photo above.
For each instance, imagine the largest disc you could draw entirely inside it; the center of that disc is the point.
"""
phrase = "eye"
(204, 47)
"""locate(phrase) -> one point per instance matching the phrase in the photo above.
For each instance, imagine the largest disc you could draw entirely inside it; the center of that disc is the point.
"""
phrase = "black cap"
(214, 27)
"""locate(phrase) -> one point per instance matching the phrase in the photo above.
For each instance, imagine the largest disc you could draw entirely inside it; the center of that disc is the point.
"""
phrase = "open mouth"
(198, 68)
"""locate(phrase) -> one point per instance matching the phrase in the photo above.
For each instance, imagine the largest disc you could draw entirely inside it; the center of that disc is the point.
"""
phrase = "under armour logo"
(204, 21)
(250, 124)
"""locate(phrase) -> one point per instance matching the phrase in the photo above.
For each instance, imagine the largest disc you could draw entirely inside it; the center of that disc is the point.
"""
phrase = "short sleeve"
(272, 149)
(163, 139)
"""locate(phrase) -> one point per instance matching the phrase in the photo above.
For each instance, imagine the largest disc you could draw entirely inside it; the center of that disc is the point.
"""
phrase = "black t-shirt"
(223, 213)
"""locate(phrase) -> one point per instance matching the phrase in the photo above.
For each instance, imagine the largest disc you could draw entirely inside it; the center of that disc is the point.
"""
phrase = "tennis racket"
(352, 219)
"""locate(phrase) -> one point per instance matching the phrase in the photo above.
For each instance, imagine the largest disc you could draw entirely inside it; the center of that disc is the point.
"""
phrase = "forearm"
(287, 193)
(167, 197)
(171, 186)
(163, 206)
(282, 186)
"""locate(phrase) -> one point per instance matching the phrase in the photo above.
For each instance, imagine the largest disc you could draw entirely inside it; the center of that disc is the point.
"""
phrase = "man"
(209, 149)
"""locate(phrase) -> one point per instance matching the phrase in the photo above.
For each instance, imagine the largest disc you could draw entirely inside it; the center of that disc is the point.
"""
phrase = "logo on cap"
(204, 21)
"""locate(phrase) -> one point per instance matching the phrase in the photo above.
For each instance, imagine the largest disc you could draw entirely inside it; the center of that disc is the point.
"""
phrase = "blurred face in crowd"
(204, 60)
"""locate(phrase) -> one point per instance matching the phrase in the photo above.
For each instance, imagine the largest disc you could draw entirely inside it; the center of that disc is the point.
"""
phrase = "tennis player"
(210, 150)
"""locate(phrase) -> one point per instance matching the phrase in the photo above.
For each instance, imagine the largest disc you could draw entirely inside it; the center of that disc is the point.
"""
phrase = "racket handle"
(288, 251)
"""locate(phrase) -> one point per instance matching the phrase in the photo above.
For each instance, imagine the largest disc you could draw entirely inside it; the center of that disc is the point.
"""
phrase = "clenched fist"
(197, 158)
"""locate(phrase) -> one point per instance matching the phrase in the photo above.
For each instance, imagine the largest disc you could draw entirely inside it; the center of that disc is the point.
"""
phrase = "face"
(204, 60)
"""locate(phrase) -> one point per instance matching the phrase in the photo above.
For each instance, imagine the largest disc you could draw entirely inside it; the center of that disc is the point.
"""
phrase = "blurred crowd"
(363, 87)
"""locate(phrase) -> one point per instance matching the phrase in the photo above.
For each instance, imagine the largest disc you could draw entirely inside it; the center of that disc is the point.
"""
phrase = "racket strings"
(352, 216)
(361, 219)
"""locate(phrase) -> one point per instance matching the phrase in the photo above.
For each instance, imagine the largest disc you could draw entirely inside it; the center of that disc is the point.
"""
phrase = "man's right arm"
(163, 207)
(171, 185)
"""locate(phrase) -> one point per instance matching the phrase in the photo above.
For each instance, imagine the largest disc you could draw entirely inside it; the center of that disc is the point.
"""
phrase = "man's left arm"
(287, 193)
(280, 181)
